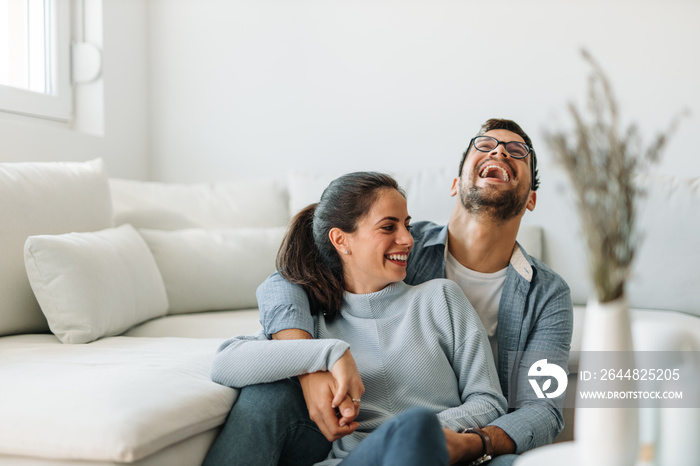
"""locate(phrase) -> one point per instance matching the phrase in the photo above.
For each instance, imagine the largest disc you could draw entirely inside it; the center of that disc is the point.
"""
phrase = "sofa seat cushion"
(217, 324)
(117, 399)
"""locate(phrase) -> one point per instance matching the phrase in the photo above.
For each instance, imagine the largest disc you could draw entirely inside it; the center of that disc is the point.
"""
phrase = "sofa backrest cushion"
(666, 272)
(94, 284)
(174, 206)
(43, 198)
(213, 270)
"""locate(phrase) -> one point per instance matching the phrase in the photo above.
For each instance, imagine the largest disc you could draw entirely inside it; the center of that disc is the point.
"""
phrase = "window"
(35, 58)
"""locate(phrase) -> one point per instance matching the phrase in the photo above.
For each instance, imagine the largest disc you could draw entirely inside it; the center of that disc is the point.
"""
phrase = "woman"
(419, 347)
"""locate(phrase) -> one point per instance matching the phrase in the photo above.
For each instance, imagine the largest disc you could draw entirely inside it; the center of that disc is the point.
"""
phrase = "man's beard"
(501, 206)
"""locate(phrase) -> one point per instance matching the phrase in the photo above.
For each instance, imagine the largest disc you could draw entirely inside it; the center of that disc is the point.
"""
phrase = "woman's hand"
(329, 396)
(349, 384)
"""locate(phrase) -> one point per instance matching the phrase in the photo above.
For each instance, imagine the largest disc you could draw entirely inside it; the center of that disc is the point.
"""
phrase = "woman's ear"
(339, 240)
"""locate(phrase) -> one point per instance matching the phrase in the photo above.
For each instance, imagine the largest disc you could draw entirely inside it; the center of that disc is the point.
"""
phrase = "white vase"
(606, 435)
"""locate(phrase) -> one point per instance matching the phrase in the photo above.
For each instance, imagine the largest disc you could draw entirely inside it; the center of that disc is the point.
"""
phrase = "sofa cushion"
(214, 324)
(173, 206)
(94, 284)
(210, 270)
(43, 198)
(118, 399)
(666, 272)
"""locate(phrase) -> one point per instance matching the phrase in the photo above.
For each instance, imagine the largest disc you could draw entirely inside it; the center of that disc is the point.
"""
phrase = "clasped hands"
(329, 397)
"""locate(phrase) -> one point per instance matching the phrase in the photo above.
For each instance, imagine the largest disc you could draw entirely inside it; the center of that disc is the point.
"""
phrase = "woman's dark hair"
(307, 256)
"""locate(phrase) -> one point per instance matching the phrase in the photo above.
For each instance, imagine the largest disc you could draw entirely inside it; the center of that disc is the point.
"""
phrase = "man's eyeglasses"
(515, 149)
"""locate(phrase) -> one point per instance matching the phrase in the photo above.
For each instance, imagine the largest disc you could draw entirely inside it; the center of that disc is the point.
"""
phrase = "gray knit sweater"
(414, 346)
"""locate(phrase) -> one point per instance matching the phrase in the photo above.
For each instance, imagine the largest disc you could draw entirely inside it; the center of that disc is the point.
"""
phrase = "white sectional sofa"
(111, 365)
(114, 295)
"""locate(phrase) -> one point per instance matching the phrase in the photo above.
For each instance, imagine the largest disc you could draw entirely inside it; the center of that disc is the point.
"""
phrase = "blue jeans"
(412, 438)
(269, 425)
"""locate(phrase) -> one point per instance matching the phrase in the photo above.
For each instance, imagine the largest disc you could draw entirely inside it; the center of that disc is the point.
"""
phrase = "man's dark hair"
(513, 127)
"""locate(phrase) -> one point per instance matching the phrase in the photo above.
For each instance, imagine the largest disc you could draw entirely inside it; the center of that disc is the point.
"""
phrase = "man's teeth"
(397, 257)
(485, 171)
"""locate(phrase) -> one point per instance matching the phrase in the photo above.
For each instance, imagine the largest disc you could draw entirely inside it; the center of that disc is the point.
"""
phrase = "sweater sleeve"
(480, 392)
(252, 359)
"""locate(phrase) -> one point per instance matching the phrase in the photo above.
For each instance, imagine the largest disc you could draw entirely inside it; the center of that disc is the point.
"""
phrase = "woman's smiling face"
(378, 248)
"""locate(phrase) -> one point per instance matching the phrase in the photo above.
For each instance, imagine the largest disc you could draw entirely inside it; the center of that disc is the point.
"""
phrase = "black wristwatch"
(487, 452)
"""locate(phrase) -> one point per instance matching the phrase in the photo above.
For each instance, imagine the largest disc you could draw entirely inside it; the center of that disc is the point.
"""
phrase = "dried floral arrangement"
(602, 159)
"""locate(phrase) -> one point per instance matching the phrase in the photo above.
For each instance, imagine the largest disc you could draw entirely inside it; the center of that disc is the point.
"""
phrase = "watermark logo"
(542, 368)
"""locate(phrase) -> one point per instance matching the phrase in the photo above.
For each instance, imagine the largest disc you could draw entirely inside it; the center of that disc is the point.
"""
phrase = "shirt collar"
(440, 239)
(522, 263)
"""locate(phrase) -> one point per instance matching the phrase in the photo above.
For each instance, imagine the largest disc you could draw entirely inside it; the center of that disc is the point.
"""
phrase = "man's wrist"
(487, 452)
(292, 334)
(473, 447)
(501, 442)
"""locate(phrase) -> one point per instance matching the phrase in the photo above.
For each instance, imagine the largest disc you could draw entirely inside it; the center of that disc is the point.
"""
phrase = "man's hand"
(319, 390)
(462, 447)
(329, 395)
(468, 447)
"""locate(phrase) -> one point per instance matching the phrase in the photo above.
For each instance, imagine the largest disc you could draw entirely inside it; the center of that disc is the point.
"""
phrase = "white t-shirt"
(484, 292)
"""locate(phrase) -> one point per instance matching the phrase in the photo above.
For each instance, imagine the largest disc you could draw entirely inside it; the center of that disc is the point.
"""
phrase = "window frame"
(58, 106)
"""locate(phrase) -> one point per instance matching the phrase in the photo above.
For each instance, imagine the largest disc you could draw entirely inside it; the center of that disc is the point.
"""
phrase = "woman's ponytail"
(299, 261)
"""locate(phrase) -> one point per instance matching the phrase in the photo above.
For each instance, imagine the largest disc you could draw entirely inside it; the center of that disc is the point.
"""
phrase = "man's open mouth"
(494, 171)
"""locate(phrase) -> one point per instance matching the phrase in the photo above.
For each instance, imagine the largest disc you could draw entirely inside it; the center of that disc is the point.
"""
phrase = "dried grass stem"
(602, 162)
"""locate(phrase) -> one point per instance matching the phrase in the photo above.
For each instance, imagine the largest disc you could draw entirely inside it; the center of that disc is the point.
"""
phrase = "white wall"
(214, 90)
(258, 87)
(206, 90)
(251, 88)
(124, 144)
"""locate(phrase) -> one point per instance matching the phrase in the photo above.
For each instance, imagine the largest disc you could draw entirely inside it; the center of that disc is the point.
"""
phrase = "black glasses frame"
(505, 146)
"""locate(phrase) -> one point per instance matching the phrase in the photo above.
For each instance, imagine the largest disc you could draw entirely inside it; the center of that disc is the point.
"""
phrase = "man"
(524, 306)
